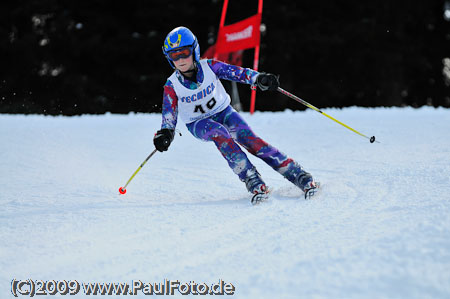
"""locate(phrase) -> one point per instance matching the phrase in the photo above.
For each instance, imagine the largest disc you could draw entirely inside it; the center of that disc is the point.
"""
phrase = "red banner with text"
(239, 36)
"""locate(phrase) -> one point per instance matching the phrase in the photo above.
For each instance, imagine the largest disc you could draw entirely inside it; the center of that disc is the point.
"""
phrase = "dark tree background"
(74, 57)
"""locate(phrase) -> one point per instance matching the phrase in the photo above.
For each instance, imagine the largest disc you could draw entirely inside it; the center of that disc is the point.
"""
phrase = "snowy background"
(379, 229)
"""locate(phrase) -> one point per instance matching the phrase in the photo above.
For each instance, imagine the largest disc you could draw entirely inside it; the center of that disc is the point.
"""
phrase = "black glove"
(267, 81)
(163, 138)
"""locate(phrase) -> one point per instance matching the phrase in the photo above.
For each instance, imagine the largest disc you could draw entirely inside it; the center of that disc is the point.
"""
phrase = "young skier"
(195, 93)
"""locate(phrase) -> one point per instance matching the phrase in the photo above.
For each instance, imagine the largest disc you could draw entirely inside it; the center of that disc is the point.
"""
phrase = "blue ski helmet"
(178, 38)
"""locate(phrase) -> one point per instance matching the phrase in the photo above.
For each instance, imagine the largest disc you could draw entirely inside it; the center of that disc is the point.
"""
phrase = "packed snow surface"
(380, 228)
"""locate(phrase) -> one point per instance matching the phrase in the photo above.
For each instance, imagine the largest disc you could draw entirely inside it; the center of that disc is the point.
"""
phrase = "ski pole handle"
(294, 97)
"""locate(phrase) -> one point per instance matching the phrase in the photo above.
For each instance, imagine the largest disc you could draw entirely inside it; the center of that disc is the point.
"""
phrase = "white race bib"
(208, 99)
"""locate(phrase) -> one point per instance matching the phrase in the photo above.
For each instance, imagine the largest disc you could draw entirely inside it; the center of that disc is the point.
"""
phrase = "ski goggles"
(184, 52)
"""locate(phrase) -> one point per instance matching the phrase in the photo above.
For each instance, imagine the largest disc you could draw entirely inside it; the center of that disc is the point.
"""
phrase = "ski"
(308, 194)
(313, 191)
(261, 197)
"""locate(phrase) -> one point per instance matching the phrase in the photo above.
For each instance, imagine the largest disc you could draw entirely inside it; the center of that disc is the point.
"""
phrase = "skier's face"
(184, 64)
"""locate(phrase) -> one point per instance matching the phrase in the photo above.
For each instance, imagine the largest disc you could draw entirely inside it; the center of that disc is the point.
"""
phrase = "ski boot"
(256, 186)
(306, 182)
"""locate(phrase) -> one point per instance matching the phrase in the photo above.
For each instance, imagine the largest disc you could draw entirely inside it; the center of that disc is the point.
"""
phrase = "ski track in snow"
(380, 227)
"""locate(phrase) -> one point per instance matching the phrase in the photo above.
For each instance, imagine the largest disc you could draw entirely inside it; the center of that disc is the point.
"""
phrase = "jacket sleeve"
(233, 72)
(169, 107)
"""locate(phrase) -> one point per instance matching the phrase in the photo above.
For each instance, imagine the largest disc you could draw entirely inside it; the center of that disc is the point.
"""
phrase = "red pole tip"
(122, 191)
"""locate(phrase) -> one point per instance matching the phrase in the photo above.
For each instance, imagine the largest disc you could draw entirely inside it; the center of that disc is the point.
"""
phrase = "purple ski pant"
(227, 129)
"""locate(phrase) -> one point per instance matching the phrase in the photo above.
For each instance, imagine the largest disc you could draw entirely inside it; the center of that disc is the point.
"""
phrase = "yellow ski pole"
(371, 139)
(123, 190)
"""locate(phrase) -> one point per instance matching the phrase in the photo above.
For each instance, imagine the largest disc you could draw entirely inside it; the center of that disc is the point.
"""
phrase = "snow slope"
(380, 228)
